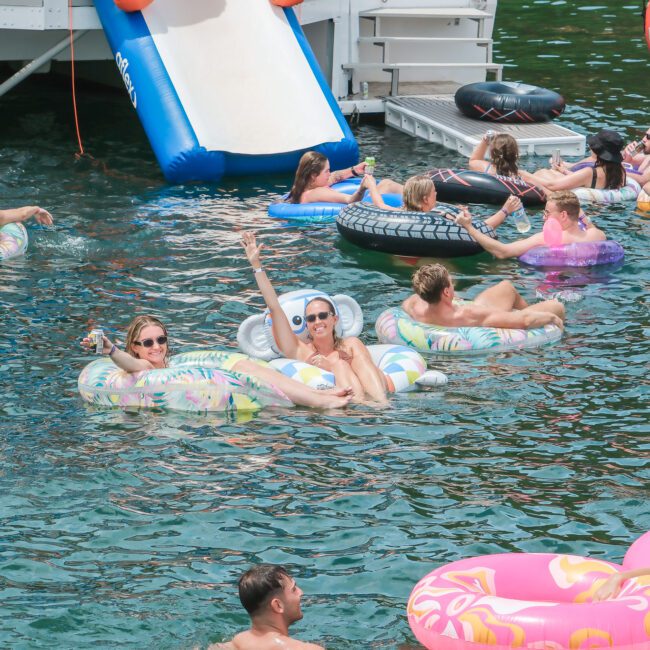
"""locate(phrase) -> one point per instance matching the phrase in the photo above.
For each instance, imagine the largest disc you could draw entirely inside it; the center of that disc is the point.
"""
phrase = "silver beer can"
(97, 337)
(364, 90)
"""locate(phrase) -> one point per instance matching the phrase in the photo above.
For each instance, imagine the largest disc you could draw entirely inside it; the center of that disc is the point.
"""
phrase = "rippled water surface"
(131, 528)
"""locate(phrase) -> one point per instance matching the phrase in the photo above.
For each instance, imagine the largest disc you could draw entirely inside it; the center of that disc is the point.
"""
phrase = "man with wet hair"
(498, 306)
(272, 599)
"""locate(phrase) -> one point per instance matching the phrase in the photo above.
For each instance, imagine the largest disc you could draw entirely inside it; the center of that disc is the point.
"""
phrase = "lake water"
(130, 528)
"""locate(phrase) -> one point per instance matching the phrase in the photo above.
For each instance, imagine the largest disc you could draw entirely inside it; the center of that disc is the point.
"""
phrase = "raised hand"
(251, 248)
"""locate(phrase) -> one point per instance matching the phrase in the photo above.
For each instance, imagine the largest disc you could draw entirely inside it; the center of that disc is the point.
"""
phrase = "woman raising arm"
(348, 359)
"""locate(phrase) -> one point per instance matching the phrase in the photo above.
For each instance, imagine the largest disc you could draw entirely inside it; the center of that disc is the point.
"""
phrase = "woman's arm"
(22, 214)
(120, 358)
(477, 160)
(512, 203)
(349, 172)
(287, 341)
(377, 199)
(328, 195)
(611, 586)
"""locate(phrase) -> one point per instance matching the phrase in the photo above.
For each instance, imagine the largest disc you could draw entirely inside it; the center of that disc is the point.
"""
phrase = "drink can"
(364, 90)
(370, 165)
(639, 147)
(97, 337)
(556, 157)
(489, 134)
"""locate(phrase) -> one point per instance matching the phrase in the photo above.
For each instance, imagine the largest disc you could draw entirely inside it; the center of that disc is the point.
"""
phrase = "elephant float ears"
(255, 335)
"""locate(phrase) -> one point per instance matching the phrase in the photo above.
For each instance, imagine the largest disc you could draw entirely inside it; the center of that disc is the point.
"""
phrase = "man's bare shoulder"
(251, 641)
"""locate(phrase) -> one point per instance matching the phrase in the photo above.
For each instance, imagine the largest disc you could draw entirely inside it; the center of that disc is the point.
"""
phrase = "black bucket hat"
(607, 145)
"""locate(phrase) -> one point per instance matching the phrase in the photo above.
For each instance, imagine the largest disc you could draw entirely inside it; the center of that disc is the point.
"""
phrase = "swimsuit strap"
(594, 178)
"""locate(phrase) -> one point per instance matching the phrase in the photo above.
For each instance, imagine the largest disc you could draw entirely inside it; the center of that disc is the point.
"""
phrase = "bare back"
(251, 640)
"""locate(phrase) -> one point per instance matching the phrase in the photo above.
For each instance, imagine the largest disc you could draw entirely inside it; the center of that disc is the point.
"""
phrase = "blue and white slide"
(225, 87)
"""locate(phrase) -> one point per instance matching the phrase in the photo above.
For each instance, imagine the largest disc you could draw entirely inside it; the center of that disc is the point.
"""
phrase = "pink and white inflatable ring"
(532, 600)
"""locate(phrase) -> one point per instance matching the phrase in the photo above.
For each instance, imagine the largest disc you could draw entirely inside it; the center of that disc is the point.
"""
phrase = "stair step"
(424, 12)
(422, 39)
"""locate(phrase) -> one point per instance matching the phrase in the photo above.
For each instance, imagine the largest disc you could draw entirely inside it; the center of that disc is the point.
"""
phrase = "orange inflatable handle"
(285, 3)
(132, 5)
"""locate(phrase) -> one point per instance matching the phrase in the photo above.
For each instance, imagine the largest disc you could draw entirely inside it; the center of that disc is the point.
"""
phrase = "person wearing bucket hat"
(607, 172)
(347, 357)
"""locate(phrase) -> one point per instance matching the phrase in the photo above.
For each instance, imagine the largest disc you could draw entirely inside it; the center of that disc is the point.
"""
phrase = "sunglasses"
(646, 136)
(148, 343)
(321, 315)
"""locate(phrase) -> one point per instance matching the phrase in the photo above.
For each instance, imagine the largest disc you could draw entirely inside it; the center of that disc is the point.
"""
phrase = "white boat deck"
(437, 119)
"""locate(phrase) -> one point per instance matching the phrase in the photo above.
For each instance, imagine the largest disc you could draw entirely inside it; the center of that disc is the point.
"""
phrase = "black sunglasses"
(646, 136)
(148, 343)
(321, 315)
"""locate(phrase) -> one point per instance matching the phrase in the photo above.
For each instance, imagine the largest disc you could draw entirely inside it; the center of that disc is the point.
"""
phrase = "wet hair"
(416, 190)
(504, 153)
(136, 326)
(311, 164)
(259, 584)
(337, 338)
(430, 280)
(614, 173)
(566, 201)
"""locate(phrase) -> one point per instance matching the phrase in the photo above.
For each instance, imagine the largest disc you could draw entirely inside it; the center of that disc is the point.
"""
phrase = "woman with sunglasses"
(147, 348)
(348, 358)
(606, 173)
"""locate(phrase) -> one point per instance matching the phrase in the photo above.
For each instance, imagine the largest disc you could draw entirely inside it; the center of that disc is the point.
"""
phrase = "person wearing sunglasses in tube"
(347, 358)
(147, 348)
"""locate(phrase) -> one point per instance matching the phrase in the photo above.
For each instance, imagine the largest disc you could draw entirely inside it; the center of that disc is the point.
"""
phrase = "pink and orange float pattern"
(540, 601)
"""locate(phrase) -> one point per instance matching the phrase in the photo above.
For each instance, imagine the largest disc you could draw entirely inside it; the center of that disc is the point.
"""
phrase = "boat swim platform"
(436, 118)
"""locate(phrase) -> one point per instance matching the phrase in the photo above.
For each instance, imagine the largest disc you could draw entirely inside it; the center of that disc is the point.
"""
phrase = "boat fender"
(132, 5)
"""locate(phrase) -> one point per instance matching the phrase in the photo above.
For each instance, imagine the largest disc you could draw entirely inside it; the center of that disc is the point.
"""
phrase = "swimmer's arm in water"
(22, 214)
(119, 357)
(287, 341)
(497, 248)
(613, 584)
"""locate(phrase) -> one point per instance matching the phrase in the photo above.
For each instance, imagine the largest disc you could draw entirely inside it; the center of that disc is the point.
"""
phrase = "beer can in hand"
(97, 337)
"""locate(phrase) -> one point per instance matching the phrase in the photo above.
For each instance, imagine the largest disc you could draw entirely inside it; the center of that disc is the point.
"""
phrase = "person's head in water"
(504, 154)
(419, 194)
(268, 591)
(430, 282)
(313, 171)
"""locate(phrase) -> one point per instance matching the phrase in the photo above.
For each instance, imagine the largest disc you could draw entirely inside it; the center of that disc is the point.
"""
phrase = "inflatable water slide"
(225, 87)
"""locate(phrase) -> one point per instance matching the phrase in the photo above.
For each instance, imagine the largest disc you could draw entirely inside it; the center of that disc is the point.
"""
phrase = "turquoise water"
(131, 528)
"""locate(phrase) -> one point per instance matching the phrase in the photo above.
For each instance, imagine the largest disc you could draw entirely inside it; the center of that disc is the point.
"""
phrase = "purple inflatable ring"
(591, 253)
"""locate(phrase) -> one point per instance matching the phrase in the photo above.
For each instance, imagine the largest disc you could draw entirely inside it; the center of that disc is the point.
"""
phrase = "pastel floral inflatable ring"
(532, 600)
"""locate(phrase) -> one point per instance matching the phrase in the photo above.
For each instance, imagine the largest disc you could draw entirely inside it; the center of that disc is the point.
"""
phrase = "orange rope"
(74, 92)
